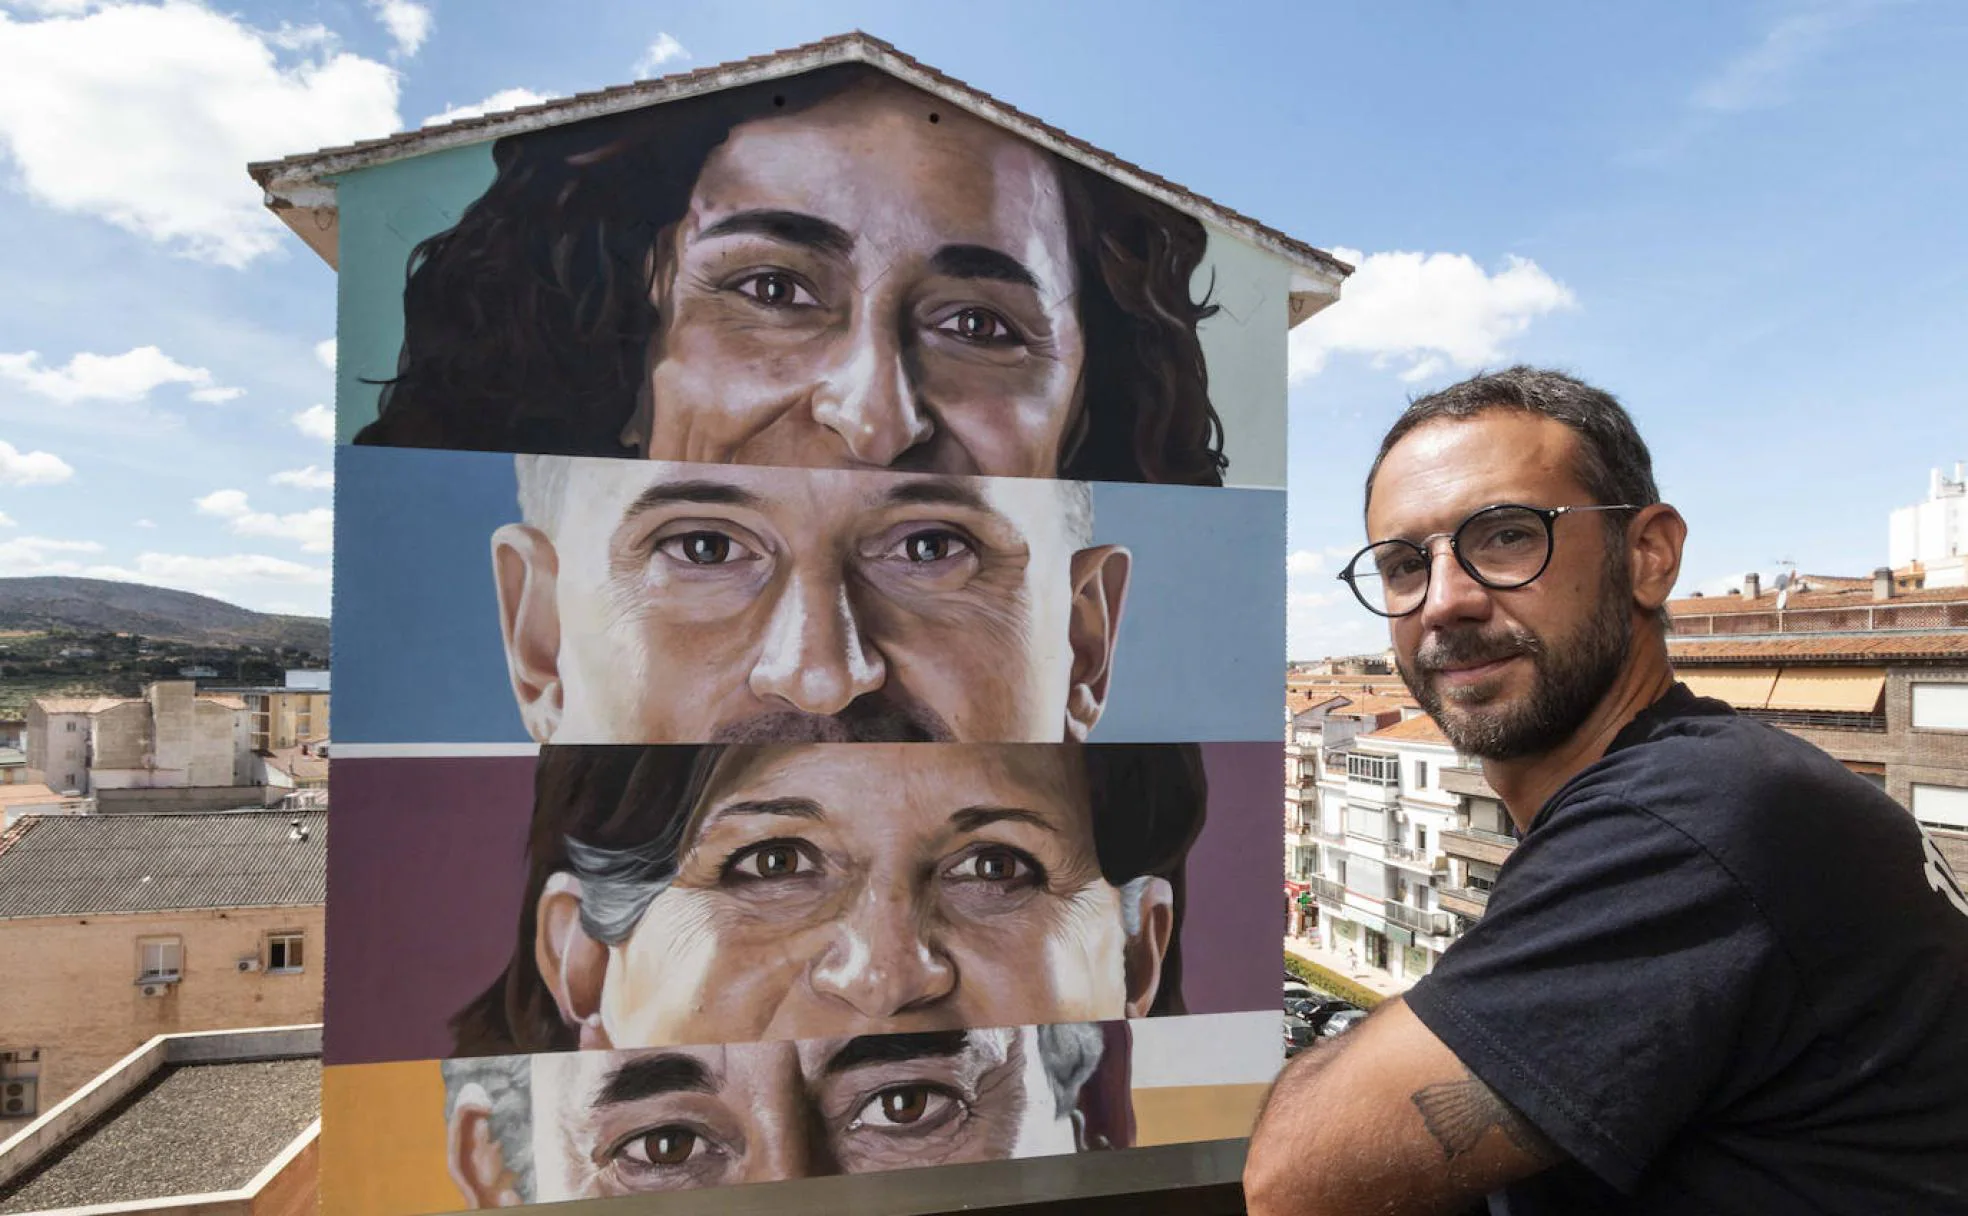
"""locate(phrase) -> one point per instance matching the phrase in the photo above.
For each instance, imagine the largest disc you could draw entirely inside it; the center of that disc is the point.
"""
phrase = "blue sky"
(1746, 221)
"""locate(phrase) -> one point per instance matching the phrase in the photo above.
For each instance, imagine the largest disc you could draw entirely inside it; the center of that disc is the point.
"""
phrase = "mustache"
(1468, 647)
(870, 719)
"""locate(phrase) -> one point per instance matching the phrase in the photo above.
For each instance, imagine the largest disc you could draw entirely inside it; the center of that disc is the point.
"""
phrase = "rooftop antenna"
(1786, 578)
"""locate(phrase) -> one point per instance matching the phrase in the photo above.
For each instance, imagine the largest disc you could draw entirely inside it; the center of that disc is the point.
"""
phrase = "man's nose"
(867, 396)
(813, 656)
(883, 960)
(784, 1138)
(1453, 595)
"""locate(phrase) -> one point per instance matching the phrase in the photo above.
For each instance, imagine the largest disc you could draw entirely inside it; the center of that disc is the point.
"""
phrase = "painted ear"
(574, 965)
(1099, 582)
(526, 569)
(476, 1159)
(1146, 948)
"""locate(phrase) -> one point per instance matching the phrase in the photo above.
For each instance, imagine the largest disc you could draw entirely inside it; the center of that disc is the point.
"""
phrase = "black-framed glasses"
(1502, 547)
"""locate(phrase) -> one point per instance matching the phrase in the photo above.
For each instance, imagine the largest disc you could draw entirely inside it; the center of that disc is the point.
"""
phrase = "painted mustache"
(871, 719)
(1471, 648)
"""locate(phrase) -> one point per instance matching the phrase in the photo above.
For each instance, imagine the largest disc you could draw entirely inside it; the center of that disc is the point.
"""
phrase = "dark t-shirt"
(1725, 975)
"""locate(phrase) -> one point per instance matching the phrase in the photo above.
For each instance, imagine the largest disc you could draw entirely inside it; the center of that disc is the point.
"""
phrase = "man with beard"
(651, 602)
(1661, 1010)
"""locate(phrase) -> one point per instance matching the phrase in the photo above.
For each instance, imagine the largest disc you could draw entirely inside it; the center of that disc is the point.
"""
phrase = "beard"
(1568, 679)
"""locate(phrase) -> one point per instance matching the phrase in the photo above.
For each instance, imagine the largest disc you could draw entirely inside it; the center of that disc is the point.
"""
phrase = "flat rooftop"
(188, 1130)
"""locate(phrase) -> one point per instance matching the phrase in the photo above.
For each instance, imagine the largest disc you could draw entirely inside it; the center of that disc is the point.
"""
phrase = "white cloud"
(180, 570)
(6, 520)
(145, 115)
(316, 422)
(18, 468)
(1304, 561)
(666, 49)
(408, 22)
(130, 376)
(324, 351)
(1426, 312)
(313, 530)
(31, 556)
(144, 523)
(499, 102)
(309, 478)
(1760, 77)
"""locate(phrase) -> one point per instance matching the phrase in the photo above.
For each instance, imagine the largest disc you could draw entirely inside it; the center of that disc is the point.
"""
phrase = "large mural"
(809, 630)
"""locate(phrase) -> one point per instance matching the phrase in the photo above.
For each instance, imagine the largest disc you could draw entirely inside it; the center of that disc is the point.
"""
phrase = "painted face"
(1504, 673)
(856, 285)
(616, 1123)
(717, 603)
(961, 889)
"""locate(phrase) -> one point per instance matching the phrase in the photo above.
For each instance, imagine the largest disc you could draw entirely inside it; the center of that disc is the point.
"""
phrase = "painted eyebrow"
(938, 492)
(792, 227)
(704, 493)
(982, 262)
(973, 817)
(791, 808)
(897, 1049)
(653, 1076)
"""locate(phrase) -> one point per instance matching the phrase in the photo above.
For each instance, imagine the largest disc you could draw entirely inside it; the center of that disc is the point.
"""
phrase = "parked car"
(1298, 990)
(1340, 1022)
(1319, 1008)
(1299, 1035)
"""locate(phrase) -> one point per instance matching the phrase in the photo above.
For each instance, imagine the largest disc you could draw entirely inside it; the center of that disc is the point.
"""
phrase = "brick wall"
(71, 989)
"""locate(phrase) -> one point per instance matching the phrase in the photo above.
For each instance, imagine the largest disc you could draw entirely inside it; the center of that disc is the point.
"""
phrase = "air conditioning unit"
(158, 988)
(17, 1098)
(249, 964)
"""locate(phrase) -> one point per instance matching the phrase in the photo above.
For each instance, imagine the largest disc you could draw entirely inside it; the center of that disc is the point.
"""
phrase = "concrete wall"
(54, 749)
(71, 985)
(120, 736)
(188, 798)
(173, 723)
(214, 744)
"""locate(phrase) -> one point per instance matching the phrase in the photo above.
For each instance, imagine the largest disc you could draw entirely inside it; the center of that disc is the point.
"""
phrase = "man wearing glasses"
(1719, 974)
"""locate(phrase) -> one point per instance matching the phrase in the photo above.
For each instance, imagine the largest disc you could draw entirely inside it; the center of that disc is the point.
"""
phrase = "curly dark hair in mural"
(624, 821)
(540, 322)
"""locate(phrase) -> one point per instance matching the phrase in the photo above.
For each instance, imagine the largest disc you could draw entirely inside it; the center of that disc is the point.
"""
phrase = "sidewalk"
(1366, 977)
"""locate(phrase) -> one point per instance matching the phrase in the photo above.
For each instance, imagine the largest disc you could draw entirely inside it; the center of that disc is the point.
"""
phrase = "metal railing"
(1433, 923)
(1819, 720)
(1327, 889)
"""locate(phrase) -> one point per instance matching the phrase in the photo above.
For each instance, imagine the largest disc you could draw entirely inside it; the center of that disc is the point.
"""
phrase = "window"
(71, 727)
(20, 1077)
(1375, 770)
(1361, 821)
(162, 958)
(1940, 706)
(1940, 806)
(284, 953)
(1421, 774)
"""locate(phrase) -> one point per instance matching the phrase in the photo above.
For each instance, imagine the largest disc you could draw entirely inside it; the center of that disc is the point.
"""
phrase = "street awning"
(1846, 690)
(1742, 687)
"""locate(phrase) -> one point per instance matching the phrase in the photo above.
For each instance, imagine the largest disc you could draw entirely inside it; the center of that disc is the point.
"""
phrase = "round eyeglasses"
(1502, 547)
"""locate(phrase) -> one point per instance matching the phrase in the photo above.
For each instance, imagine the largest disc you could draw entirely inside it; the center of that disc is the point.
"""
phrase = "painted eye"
(773, 861)
(775, 289)
(663, 1146)
(995, 865)
(904, 1105)
(933, 546)
(979, 326)
(703, 549)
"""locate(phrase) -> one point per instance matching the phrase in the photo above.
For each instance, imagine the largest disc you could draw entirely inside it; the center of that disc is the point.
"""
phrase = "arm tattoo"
(1458, 1113)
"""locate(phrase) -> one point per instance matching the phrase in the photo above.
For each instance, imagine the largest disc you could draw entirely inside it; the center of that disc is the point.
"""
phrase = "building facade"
(1933, 535)
(284, 717)
(172, 737)
(116, 928)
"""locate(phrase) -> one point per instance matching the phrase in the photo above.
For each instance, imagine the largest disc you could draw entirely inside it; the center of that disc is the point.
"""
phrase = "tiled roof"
(76, 864)
(298, 764)
(1855, 647)
(1852, 597)
(1376, 704)
(78, 705)
(15, 793)
(1419, 729)
(224, 702)
(310, 169)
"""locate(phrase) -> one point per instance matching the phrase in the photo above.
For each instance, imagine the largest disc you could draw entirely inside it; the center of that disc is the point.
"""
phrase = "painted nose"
(869, 399)
(814, 657)
(882, 961)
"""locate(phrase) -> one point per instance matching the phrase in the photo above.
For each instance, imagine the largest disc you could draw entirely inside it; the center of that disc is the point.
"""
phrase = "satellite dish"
(1784, 580)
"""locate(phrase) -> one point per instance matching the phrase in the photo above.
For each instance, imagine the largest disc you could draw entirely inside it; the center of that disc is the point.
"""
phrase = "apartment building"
(281, 718)
(171, 738)
(118, 928)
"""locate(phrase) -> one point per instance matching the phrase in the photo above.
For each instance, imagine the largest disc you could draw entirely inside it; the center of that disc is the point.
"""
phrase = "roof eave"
(301, 191)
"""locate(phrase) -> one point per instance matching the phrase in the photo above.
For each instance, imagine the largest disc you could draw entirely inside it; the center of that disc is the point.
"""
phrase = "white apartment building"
(1934, 533)
(169, 738)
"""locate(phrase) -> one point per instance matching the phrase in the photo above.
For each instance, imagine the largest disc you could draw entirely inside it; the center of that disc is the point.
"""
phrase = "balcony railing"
(1467, 781)
(1467, 901)
(1327, 890)
(1436, 924)
(1475, 844)
(1330, 837)
(1418, 858)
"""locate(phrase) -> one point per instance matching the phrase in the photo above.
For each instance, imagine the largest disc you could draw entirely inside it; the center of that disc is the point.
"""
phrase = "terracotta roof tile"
(854, 47)
(78, 705)
(1853, 597)
(1419, 729)
(1849, 646)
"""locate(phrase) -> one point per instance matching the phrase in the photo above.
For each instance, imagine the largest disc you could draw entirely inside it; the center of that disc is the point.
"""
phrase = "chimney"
(1882, 584)
(1752, 585)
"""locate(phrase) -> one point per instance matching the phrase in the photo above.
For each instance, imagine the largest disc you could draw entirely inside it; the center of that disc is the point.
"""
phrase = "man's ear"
(526, 569)
(1154, 919)
(1099, 580)
(476, 1159)
(1654, 542)
(574, 965)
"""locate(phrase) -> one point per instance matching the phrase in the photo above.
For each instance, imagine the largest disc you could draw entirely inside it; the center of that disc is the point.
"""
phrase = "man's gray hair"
(507, 1082)
(1070, 1054)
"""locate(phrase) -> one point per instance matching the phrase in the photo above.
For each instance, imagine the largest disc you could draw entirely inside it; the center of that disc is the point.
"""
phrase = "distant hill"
(99, 606)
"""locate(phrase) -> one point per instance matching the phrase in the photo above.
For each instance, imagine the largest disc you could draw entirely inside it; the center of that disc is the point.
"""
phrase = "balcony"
(1475, 844)
(1433, 924)
(1469, 782)
(1464, 901)
(1330, 837)
(1372, 793)
(1325, 890)
(1417, 859)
